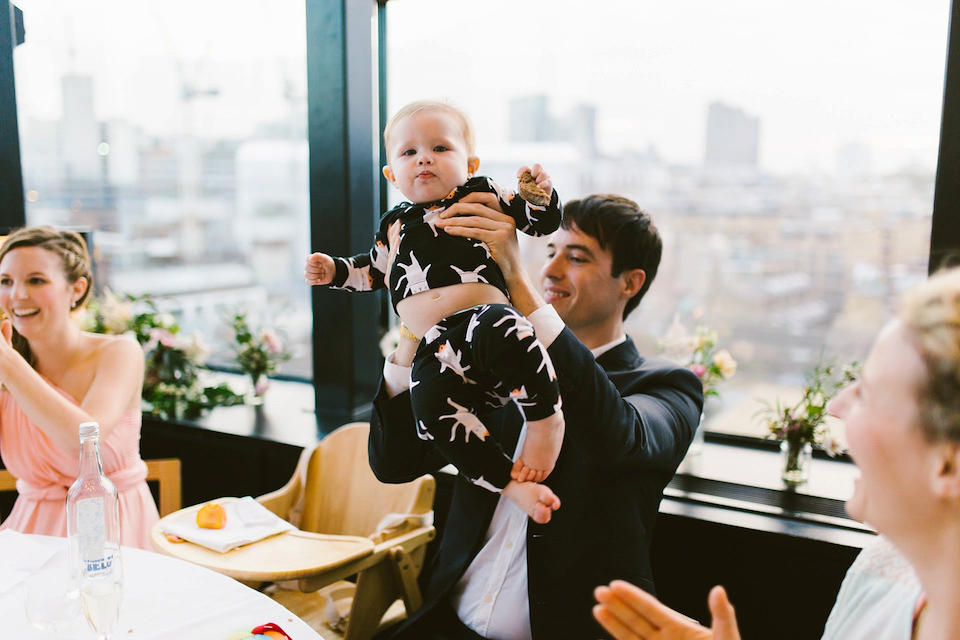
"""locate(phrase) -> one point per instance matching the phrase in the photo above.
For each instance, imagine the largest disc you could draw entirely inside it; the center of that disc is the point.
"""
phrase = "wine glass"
(50, 595)
(101, 588)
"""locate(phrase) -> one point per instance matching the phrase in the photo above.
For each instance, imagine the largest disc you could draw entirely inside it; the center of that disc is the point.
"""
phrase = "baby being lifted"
(475, 351)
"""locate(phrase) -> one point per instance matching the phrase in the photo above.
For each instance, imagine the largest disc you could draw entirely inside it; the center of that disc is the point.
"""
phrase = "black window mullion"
(12, 205)
(344, 201)
(945, 228)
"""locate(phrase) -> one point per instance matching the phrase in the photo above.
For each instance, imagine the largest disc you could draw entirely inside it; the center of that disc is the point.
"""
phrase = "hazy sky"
(818, 73)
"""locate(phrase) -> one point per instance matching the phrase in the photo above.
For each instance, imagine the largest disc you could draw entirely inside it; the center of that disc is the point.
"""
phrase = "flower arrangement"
(698, 352)
(804, 422)
(171, 385)
(800, 426)
(259, 353)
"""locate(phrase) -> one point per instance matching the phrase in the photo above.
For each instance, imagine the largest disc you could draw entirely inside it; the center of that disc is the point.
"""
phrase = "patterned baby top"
(428, 257)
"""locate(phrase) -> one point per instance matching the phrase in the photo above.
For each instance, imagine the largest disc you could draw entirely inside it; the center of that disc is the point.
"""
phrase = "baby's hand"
(541, 177)
(319, 269)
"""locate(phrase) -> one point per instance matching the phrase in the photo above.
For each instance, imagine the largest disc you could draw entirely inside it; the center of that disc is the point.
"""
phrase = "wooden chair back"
(343, 497)
(7, 481)
(166, 473)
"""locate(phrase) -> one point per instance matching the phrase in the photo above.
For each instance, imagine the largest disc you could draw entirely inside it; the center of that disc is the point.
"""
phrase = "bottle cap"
(89, 430)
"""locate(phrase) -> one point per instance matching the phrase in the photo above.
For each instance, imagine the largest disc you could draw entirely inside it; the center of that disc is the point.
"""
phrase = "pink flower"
(272, 340)
(263, 383)
(698, 369)
(163, 336)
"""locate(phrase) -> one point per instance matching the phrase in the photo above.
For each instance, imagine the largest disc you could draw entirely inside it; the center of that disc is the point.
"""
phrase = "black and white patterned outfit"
(473, 360)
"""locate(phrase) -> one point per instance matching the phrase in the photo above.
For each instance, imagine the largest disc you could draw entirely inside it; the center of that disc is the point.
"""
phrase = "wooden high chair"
(333, 491)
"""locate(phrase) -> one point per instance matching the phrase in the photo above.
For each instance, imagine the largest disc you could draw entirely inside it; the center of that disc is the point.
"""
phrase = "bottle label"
(90, 523)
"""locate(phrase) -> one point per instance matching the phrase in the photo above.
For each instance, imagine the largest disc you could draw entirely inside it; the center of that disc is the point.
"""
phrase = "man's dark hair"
(623, 229)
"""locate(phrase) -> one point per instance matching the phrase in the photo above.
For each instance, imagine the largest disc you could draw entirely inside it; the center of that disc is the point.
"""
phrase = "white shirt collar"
(602, 349)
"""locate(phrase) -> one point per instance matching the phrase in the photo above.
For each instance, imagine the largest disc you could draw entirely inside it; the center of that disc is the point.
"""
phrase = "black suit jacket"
(629, 421)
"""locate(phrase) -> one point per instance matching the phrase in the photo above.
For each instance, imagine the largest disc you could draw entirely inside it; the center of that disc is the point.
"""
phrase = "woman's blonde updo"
(69, 246)
(931, 315)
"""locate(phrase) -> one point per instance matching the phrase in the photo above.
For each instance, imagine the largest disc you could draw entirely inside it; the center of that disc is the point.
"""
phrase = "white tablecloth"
(163, 598)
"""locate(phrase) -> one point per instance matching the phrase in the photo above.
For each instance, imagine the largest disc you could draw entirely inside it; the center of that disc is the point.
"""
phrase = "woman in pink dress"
(56, 376)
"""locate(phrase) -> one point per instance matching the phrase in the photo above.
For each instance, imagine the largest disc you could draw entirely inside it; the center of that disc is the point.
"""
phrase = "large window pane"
(786, 151)
(177, 130)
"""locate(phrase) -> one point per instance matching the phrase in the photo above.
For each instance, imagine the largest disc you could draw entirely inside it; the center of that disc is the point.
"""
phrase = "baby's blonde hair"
(931, 316)
(432, 105)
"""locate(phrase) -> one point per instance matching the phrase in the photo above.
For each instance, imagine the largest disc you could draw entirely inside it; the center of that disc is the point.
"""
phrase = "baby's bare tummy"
(422, 310)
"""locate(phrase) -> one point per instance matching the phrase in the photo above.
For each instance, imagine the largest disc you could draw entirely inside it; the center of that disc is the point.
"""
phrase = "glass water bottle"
(93, 510)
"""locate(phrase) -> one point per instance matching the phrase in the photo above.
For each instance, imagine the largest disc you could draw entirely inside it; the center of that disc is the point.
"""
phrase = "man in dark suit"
(629, 420)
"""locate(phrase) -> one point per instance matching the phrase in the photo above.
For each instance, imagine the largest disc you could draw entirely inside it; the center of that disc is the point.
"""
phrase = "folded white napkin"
(247, 521)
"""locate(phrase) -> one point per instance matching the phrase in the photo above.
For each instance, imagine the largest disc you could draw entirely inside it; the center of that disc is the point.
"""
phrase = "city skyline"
(651, 72)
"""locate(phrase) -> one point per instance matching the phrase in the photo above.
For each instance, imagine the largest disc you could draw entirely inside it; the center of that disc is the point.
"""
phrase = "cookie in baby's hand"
(531, 191)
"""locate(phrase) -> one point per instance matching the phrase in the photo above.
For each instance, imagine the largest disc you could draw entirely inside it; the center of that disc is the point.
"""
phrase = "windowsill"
(730, 483)
(741, 484)
(286, 414)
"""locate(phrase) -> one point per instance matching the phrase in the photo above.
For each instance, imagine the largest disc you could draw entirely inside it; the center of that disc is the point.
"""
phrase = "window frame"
(346, 93)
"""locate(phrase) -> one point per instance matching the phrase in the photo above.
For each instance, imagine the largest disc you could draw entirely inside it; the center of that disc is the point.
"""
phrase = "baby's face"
(427, 156)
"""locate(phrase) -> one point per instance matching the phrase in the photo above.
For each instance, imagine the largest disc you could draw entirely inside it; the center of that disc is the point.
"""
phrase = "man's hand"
(393, 242)
(319, 269)
(478, 216)
(628, 612)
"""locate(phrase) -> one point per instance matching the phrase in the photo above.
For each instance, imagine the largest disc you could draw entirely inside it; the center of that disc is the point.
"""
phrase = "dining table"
(164, 598)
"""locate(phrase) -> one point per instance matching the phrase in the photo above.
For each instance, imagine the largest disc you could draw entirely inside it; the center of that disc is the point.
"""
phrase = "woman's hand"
(6, 329)
(6, 342)
(628, 612)
(478, 216)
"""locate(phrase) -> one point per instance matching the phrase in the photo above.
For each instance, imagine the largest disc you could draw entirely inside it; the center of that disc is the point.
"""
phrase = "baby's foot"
(540, 449)
(537, 500)
(522, 473)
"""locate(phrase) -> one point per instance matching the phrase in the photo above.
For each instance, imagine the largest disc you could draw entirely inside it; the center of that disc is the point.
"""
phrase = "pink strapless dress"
(44, 473)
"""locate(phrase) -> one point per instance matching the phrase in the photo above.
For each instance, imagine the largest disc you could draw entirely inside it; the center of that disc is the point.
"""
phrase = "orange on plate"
(211, 516)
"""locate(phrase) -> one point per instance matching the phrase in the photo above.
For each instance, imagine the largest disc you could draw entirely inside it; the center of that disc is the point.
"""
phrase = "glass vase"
(259, 384)
(795, 461)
